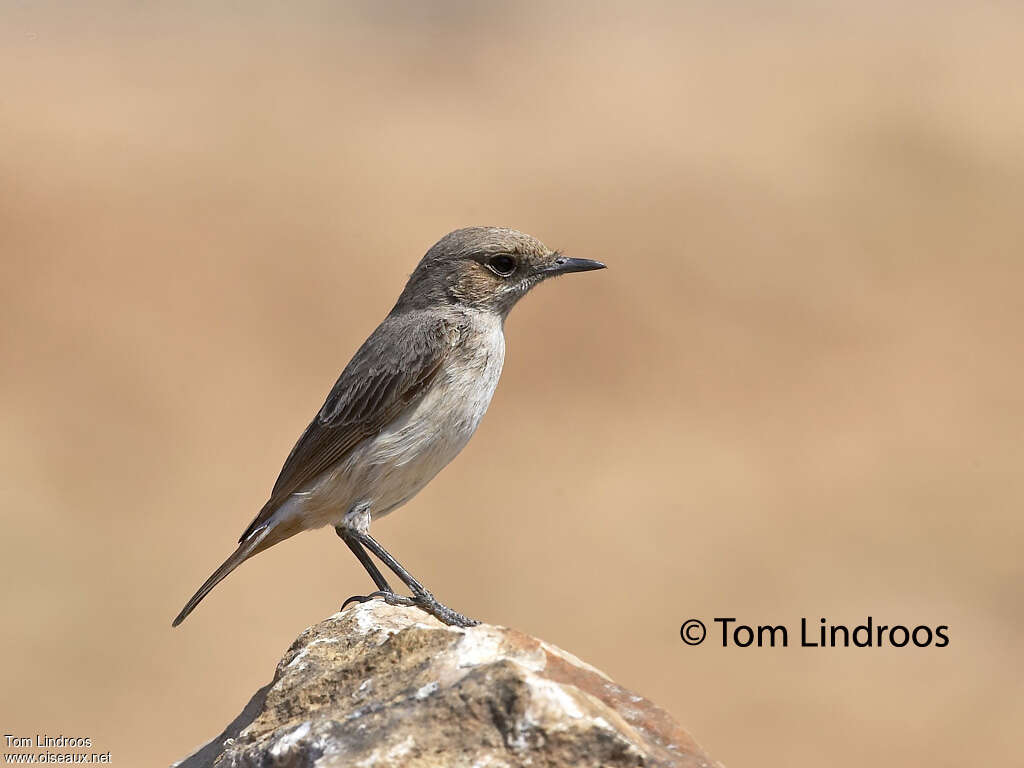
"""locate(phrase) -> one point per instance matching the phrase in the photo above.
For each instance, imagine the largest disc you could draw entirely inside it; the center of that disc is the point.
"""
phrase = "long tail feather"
(255, 543)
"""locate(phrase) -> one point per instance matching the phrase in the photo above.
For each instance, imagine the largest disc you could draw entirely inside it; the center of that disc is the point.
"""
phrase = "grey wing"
(390, 370)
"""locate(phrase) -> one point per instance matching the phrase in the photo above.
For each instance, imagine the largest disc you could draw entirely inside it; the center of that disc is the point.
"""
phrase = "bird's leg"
(421, 595)
(371, 568)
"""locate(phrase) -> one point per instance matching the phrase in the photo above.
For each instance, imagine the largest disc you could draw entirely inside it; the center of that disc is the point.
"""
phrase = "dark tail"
(255, 543)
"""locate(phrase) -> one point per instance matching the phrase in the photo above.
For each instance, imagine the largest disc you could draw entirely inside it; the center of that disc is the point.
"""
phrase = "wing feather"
(391, 370)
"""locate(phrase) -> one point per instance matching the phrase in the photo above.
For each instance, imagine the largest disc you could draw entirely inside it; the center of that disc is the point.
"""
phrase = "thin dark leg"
(367, 563)
(388, 559)
(422, 596)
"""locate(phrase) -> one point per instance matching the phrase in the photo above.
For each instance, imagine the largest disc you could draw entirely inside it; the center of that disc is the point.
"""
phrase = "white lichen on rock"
(380, 685)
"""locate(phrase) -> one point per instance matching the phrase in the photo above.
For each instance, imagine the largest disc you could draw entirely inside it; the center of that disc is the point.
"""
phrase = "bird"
(404, 406)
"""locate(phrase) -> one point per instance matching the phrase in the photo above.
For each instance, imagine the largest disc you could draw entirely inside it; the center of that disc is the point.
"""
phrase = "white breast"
(388, 470)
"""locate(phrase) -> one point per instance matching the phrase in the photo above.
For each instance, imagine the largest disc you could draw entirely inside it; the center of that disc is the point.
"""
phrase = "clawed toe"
(388, 597)
(355, 599)
(453, 618)
(425, 602)
(443, 613)
(421, 598)
(392, 598)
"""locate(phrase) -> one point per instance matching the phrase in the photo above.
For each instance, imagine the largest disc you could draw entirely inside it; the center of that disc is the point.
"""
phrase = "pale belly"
(384, 472)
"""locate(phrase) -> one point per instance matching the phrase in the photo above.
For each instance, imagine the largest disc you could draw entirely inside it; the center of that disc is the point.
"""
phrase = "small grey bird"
(405, 405)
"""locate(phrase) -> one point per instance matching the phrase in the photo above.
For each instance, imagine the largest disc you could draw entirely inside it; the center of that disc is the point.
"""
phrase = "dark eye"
(502, 265)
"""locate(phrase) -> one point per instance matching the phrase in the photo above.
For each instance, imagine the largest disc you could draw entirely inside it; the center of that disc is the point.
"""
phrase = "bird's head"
(488, 268)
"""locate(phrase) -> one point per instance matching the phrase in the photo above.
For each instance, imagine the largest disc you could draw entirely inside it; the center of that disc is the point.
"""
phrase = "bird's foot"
(424, 601)
(427, 602)
(389, 597)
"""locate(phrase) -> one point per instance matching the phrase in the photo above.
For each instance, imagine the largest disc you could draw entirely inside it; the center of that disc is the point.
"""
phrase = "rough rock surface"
(380, 685)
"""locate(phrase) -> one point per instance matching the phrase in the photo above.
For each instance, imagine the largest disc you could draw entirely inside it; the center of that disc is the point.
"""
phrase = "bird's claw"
(389, 597)
(427, 602)
(424, 601)
(355, 599)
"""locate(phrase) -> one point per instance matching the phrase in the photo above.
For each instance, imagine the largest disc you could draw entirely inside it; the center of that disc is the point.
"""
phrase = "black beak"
(563, 265)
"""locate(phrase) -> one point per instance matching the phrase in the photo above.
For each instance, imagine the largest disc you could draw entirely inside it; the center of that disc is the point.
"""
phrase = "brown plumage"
(406, 403)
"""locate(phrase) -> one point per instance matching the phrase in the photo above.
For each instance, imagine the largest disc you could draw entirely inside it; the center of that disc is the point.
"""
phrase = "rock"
(380, 685)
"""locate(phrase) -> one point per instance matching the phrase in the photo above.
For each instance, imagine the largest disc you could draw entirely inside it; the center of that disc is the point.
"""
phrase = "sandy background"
(796, 392)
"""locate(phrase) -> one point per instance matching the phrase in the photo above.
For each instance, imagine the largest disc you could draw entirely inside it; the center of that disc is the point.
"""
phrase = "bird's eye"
(502, 265)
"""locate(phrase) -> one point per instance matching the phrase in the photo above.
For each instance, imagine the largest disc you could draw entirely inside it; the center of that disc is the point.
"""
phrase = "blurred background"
(796, 391)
